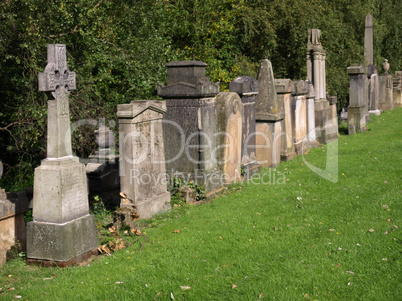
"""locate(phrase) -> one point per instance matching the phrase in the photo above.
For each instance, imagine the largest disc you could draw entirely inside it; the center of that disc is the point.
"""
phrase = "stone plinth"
(358, 101)
(269, 115)
(190, 125)
(333, 100)
(230, 112)
(247, 87)
(12, 224)
(386, 98)
(299, 115)
(311, 116)
(142, 157)
(62, 228)
(284, 89)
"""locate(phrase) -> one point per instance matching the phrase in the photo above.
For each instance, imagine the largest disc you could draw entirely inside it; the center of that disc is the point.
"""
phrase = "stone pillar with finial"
(386, 102)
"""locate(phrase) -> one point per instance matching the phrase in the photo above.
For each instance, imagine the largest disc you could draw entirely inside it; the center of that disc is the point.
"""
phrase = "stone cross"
(368, 40)
(57, 80)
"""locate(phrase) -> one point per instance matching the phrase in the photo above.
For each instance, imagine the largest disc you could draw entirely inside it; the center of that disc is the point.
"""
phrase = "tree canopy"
(119, 49)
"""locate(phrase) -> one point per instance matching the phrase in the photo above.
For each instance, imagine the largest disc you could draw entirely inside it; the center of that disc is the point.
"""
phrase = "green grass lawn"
(302, 237)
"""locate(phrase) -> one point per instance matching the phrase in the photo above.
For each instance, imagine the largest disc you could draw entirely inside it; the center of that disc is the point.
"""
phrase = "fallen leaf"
(17, 297)
(234, 286)
(12, 289)
(339, 249)
(137, 232)
(350, 272)
(349, 283)
(119, 282)
(385, 207)
(338, 265)
(220, 237)
(258, 213)
(9, 276)
(184, 288)
(388, 220)
(396, 227)
(386, 182)
(371, 230)
(260, 296)
(331, 230)
(123, 195)
(386, 232)
(171, 296)
(385, 259)
(176, 231)
(48, 278)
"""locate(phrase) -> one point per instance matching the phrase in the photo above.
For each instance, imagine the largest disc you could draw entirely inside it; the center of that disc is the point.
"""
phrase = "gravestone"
(247, 87)
(358, 101)
(284, 89)
(62, 230)
(299, 115)
(269, 115)
(103, 168)
(373, 90)
(316, 72)
(229, 113)
(386, 99)
(142, 157)
(397, 81)
(190, 124)
(368, 40)
(311, 116)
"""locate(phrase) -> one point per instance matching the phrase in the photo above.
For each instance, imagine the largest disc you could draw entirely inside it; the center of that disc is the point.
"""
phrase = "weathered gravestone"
(62, 230)
(284, 89)
(373, 90)
(229, 113)
(316, 72)
(190, 124)
(269, 115)
(386, 101)
(299, 115)
(397, 89)
(247, 87)
(358, 99)
(142, 157)
(103, 168)
(311, 116)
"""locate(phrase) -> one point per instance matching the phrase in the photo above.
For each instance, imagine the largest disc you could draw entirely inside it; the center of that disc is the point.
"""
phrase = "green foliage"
(119, 49)
(176, 183)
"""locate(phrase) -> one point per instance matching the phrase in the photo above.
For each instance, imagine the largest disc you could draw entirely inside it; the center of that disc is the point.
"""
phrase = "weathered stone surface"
(186, 79)
(268, 143)
(229, 113)
(358, 99)
(12, 225)
(397, 81)
(266, 101)
(386, 101)
(61, 242)
(316, 63)
(142, 156)
(368, 40)
(247, 88)
(311, 116)
(299, 115)
(373, 90)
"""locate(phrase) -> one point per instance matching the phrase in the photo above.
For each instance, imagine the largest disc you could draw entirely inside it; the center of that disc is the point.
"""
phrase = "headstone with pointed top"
(269, 117)
(62, 229)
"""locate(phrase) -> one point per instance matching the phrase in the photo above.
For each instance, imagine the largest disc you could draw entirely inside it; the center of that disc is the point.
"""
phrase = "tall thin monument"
(368, 40)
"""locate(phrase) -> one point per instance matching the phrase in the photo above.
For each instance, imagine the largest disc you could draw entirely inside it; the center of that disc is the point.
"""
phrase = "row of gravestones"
(370, 93)
(196, 133)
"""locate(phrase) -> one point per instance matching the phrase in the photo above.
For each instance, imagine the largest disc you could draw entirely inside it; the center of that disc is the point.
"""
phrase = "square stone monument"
(397, 80)
(190, 124)
(142, 157)
(62, 230)
(299, 115)
(358, 101)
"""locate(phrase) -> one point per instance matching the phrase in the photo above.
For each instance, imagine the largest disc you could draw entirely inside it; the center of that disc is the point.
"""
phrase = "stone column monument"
(368, 40)
(62, 230)
(316, 73)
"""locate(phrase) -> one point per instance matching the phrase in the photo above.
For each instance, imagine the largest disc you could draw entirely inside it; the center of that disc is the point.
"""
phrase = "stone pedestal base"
(268, 143)
(375, 112)
(61, 242)
(62, 264)
(356, 120)
(148, 207)
(325, 131)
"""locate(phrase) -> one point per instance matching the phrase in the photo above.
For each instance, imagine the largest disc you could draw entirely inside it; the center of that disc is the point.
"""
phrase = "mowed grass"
(301, 237)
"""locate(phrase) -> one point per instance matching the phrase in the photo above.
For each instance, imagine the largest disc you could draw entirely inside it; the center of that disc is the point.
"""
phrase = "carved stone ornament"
(385, 66)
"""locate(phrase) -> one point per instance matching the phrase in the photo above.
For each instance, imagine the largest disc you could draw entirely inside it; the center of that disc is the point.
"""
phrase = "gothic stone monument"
(142, 157)
(316, 73)
(62, 230)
